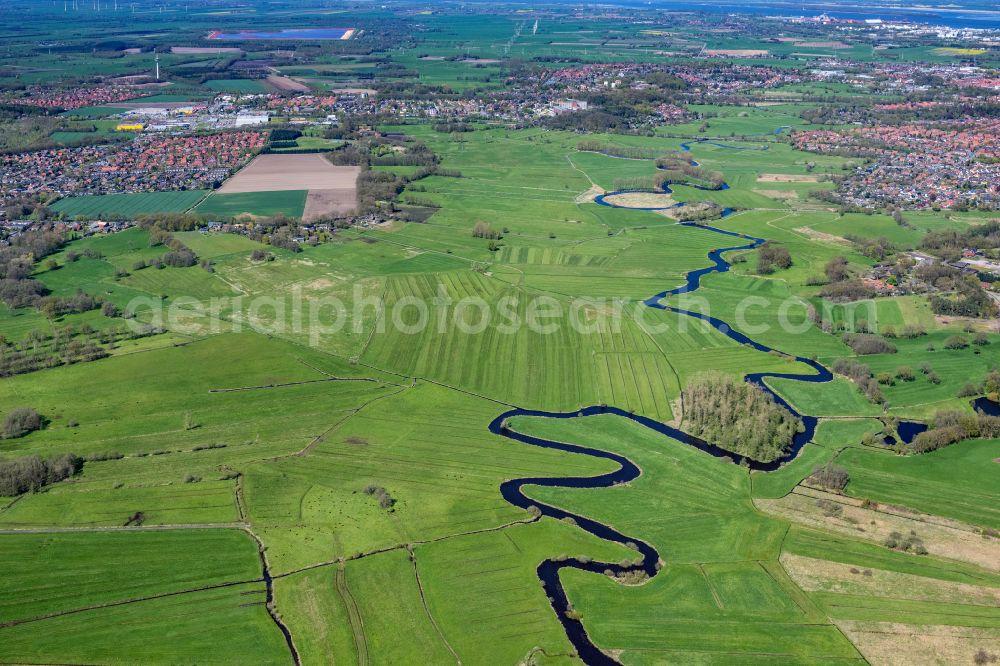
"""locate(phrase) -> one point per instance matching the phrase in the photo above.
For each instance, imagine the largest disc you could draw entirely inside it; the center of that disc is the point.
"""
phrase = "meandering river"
(513, 490)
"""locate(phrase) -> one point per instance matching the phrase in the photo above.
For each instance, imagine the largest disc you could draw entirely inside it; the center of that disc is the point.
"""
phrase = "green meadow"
(128, 205)
(261, 204)
(247, 473)
(237, 420)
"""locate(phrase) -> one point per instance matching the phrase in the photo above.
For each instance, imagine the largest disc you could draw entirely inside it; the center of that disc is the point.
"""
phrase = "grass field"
(927, 482)
(128, 205)
(171, 562)
(261, 204)
(236, 86)
(312, 142)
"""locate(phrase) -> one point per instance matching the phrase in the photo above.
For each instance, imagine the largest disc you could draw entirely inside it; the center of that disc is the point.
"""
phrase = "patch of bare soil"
(276, 172)
(594, 191)
(286, 84)
(329, 202)
(822, 236)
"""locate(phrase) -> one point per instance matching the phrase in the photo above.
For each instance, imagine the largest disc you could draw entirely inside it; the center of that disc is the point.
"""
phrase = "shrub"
(32, 472)
(19, 422)
(982, 657)
(484, 230)
(950, 427)
(956, 342)
(830, 476)
(968, 391)
(770, 257)
(385, 500)
(905, 373)
(864, 344)
(830, 509)
(847, 290)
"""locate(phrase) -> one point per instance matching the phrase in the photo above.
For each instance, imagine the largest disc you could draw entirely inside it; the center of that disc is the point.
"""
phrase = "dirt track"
(287, 84)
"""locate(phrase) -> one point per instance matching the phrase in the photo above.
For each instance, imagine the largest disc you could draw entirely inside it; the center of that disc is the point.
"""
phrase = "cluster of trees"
(738, 416)
(877, 249)
(635, 183)
(949, 244)
(903, 373)
(384, 186)
(840, 286)
(19, 422)
(179, 255)
(864, 344)
(968, 300)
(910, 543)
(771, 256)
(614, 150)
(282, 237)
(949, 427)
(27, 206)
(589, 120)
(385, 500)
(56, 306)
(166, 222)
(840, 114)
(376, 186)
(679, 170)
(31, 473)
(698, 213)
(284, 134)
(484, 230)
(938, 275)
(847, 290)
(830, 476)
(449, 127)
(862, 377)
(990, 386)
(17, 288)
(632, 107)
(65, 346)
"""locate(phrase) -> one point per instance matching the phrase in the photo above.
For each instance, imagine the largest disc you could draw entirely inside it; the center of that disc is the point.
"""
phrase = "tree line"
(31, 473)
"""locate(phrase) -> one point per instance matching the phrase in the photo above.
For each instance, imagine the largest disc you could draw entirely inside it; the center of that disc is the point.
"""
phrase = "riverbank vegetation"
(738, 416)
